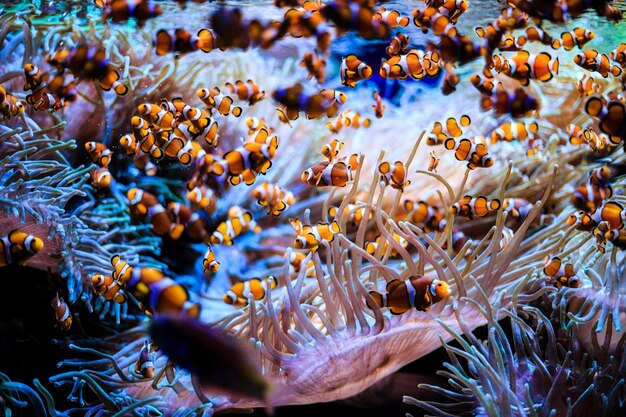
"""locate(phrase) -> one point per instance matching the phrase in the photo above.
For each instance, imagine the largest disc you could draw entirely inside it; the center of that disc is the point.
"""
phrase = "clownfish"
(34, 77)
(147, 139)
(315, 65)
(310, 237)
(398, 45)
(274, 198)
(238, 222)
(347, 118)
(99, 153)
(183, 42)
(43, 99)
(215, 99)
(296, 260)
(575, 37)
(431, 18)
(358, 16)
(10, 106)
(450, 80)
(188, 221)
(431, 218)
(101, 178)
(244, 163)
(433, 162)
(325, 173)
(122, 271)
(122, 10)
(144, 365)
(517, 103)
(612, 117)
(394, 175)
(202, 197)
(584, 222)
(619, 54)
(62, 313)
(331, 149)
(479, 206)
(484, 82)
(108, 288)
(209, 262)
(587, 86)
(460, 48)
(523, 66)
(353, 70)
(417, 292)
(592, 60)
(355, 213)
(613, 213)
(391, 17)
(590, 196)
(474, 153)
(158, 116)
(415, 64)
(86, 62)
(144, 205)
(453, 129)
(371, 247)
(17, 247)
(604, 233)
(255, 124)
(159, 294)
(255, 288)
(198, 119)
(562, 274)
(379, 108)
(248, 91)
(510, 131)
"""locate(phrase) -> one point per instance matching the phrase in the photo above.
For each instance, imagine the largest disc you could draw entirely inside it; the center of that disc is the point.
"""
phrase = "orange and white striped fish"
(10, 106)
(378, 107)
(587, 86)
(108, 288)
(619, 54)
(239, 222)
(310, 237)
(122, 10)
(158, 116)
(315, 65)
(347, 118)
(453, 129)
(612, 117)
(62, 313)
(99, 153)
(431, 218)
(469, 206)
(296, 260)
(371, 247)
(393, 18)
(202, 197)
(144, 367)
(215, 99)
(510, 131)
(17, 247)
(575, 37)
(355, 213)
(398, 45)
(182, 42)
(331, 149)
(416, 64)
(255, 124)
(433, 162)
(353, 70)
(613, 213)
(563, 274)
(325, 173)
(394, 175)
(592, 60)
(147, 139)
(431, 18)
(274, 198)
(209, 262)
(159, 294)
(484, 82)
(255, 288)
(475, 154)
(184, 219)
(198, 119)
(523, 66)
(101, 178)
(145, 206)
(450, 80)
(122, 271)
(248, 91)
(417, 292)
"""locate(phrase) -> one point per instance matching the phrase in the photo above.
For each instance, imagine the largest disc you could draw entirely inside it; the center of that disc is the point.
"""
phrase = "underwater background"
(458, 252)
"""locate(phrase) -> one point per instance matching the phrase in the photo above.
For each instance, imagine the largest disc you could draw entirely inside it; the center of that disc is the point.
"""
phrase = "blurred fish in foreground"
(216, 359)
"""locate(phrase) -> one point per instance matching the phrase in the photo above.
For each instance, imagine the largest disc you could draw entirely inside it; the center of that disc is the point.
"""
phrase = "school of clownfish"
(173, 129)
